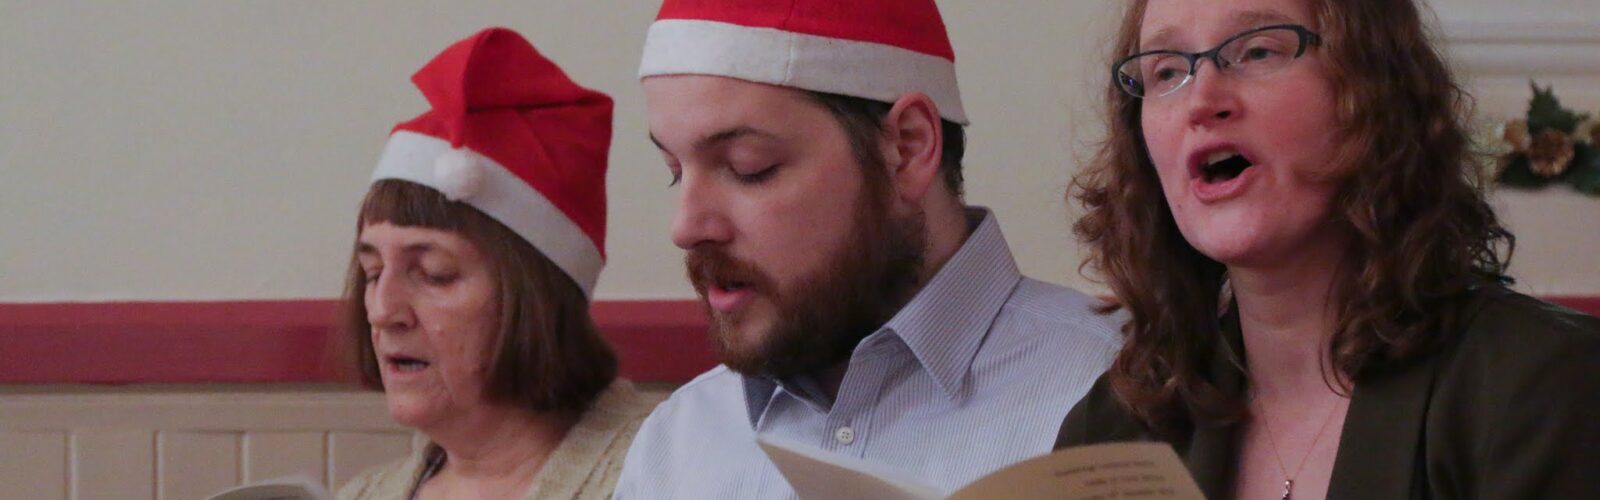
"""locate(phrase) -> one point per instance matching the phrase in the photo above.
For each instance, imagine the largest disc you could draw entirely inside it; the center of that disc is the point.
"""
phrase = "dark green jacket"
(1510, 409)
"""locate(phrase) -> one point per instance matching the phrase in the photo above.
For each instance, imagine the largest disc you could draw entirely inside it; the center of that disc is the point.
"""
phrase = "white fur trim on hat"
(457, 174)
(859, 69)
(498, 193)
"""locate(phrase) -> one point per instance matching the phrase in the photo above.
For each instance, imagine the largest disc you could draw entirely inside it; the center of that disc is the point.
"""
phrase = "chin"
(1229, 250)
(1222, 239)
(741, 337)
(741, 344)
(410, 412)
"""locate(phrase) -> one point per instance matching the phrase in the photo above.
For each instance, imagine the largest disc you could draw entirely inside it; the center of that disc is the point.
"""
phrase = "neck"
(831, 378)
(496, 443)
(1287, 315)
(946, 219)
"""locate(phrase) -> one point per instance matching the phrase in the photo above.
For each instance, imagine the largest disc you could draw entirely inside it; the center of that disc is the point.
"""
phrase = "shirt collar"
(946, 322)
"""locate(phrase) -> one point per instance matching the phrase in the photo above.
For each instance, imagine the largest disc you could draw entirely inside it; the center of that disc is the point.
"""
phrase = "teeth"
(1220, 155)
(411, 365)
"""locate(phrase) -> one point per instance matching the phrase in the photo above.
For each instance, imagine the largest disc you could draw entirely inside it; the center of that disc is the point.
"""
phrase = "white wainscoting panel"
(34, 464)
(193, 465)
(113, 462)
(186, 444)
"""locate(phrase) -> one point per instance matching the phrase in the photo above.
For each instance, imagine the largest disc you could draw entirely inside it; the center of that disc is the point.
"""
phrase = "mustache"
(709, 266)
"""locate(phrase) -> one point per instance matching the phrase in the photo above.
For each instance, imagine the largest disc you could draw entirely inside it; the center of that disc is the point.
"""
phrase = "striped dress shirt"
(975, 373)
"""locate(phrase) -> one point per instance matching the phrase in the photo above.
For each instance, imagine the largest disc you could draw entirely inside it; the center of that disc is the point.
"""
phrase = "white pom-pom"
(457, 174)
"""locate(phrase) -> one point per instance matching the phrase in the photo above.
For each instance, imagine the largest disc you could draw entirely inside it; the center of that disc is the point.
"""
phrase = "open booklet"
(288, 488)
(1146, 471)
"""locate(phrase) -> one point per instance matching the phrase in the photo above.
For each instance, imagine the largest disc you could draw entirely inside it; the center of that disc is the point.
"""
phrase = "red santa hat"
(511, 135)
(872, 49)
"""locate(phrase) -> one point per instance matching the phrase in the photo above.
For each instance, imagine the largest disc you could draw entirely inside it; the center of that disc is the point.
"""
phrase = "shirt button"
(845, 435)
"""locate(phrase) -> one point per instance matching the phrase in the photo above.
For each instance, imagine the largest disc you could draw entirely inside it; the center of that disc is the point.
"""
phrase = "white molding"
(224, 412)
(1527, 47)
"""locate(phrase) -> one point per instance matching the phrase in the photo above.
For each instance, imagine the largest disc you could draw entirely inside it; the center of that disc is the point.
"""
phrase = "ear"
(912, 143)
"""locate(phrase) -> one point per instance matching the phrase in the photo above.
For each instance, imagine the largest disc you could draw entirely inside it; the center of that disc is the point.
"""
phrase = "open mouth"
(406, 363)
(725, 283)
(730, 285)
(1223, 166)
(726, 296)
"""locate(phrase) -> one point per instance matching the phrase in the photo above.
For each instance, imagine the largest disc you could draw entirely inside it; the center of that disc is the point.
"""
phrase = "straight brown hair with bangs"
(549, 357)
(1411, 193)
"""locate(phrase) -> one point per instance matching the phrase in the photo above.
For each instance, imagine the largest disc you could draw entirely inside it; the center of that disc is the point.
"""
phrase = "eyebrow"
(1243, 20)
(722, 137)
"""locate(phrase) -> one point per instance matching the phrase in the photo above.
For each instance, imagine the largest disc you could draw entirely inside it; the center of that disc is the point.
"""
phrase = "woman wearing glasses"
(1287, 207)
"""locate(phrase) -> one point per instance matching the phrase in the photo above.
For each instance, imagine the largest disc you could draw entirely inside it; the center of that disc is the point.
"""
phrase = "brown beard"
(822, 317)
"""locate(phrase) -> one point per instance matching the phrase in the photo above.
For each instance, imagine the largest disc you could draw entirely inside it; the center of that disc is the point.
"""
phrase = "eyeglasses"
(1252, 53)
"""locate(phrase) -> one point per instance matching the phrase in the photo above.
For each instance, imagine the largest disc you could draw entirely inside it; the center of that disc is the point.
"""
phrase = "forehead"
(1187, 24)
(384, 237)
(686, 108)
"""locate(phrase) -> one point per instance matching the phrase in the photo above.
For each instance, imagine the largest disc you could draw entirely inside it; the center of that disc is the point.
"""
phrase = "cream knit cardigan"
(585, 466)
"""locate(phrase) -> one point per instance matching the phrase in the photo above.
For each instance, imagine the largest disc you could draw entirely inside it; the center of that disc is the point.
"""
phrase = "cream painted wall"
(188, 150)
(1498, 46)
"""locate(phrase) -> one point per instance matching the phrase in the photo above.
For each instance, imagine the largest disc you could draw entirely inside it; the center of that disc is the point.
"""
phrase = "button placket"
(852, 412)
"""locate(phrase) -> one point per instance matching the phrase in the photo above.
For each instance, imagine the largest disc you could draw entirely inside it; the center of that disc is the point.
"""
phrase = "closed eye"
(757, 177)
(435, 276)
(370, 277)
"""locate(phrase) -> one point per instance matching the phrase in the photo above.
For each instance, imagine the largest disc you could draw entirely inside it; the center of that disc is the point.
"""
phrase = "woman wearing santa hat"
(477, 248)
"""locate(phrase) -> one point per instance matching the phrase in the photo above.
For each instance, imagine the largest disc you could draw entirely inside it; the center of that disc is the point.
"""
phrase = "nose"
(702, 217)
(1212, 97)
(389, 303)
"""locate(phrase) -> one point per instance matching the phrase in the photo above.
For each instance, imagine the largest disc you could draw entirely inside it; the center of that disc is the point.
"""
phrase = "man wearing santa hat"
(858, 305)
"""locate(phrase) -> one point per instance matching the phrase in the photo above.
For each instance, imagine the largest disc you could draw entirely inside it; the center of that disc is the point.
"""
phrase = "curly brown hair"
(1410, 193)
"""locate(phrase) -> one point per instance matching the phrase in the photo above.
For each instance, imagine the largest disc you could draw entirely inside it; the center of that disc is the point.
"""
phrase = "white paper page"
(1122, 471)
(288, 488)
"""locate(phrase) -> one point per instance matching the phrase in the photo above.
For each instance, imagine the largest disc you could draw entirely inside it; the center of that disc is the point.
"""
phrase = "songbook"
(287, 488)
(1121, 471)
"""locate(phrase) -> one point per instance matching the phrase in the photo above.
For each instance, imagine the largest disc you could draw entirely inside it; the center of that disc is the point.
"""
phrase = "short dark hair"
(549, 355)
(862, 120)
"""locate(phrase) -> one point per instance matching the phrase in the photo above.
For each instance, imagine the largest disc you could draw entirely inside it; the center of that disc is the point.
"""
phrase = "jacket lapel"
(1211, 458)
(1213, 452)
(1377, 455)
